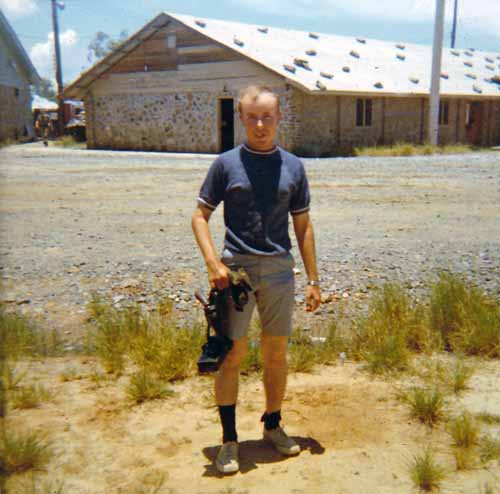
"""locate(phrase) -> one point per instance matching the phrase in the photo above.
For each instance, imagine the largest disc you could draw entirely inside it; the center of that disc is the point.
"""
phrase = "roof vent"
(477, 89)
(444, 75)
(361, 40)
(469, 53)
(314, 35)
(311, 53)
(400, 46)
(354, 54)
(290, 68)
(263, 30)
(471, 76)
(490, 67)
(378, 85)
(327, 75)
(238, 41)
(468, 64)
(415, 80)
(400, 57)
(320, 85)
(346, 69)
(489, 60)
(300, 62)
(455, 52)
(200, 23)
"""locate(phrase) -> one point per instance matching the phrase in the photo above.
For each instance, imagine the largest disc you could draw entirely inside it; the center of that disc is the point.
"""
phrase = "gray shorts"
(273, 285)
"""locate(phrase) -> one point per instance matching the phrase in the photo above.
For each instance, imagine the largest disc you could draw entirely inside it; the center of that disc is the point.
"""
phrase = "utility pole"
(57, 52)
(454, 29)
(437, 52)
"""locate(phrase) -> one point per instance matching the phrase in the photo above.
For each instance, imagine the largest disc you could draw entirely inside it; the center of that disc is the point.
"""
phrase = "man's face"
(260, 118)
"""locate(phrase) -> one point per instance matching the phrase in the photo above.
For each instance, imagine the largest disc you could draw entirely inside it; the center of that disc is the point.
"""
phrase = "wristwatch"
(313, 282)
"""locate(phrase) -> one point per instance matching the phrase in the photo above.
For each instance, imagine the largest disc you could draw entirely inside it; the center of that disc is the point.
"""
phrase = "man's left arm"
(304, 233)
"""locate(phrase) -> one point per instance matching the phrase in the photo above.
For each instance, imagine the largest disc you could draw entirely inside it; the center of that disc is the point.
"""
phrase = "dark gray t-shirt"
(259, 190)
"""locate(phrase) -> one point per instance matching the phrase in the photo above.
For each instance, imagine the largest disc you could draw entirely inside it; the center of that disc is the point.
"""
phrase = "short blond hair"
(253, 92)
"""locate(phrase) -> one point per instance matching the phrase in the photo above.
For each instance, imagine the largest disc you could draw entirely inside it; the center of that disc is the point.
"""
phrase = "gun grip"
(199, 296)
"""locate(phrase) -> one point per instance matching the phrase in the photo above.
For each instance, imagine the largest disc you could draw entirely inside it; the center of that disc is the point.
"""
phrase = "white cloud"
(42, 54)
(18, 8)
(478, 15)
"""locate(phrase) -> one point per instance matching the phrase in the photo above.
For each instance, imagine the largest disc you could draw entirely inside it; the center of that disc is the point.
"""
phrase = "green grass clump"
(488, 418)
(68, 141)
(425, 404)
(153, 341)
(18, 335)
(467, 319)
(489, 448)
(30, 396)
(303, 354)
(22, 451)
(393, 327)
(464, 431)
(425, 472)
(144, 386)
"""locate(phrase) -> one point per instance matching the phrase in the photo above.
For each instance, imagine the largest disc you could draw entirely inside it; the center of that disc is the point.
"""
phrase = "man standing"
(260, 184)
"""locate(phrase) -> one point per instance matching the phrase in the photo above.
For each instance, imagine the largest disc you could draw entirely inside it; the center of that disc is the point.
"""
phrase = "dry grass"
(488, 418)
(153, 341)
(489, 448)
(145, 386)
(30, 396)
(425, 404)
(409, 149)
(425, 472)
(466, 318)
(22, 451)
(68, 141)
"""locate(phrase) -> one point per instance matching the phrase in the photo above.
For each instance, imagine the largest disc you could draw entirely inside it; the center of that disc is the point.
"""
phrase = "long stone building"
(173, 86)
(17, 74)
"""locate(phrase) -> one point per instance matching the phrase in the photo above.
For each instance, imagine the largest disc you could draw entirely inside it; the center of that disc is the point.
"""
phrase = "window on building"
(171, 41)
(363, 112)
(16, 92)
(444, 112)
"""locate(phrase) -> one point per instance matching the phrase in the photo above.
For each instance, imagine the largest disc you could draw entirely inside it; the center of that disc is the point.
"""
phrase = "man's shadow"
(253, 452)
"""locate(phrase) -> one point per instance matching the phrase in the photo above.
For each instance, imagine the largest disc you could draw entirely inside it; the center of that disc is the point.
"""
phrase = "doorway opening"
(226, 124)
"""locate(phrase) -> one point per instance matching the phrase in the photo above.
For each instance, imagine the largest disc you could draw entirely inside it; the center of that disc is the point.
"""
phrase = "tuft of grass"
(425, 404)
(460, 376)
(489, 448)
(153, 341)
(68, 141)
(22, 451)
(393, 327)
(467, 319)
(30, 396)
(35, 485)
(464, 458)
(303, 354)
(144, 386)
(464, 431)
(425, 472)
(410, 149)
(488, 418)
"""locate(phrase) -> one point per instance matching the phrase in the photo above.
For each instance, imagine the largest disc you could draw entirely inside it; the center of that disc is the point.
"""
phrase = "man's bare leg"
(274, 351)
(226, 380)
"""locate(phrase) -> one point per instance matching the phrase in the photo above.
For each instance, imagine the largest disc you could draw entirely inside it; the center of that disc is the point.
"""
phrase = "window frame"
(364, 112)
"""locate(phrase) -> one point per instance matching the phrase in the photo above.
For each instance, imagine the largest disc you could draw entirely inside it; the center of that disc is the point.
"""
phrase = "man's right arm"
(217, 271)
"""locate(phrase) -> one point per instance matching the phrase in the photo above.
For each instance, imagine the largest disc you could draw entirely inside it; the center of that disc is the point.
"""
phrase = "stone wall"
(15, 114)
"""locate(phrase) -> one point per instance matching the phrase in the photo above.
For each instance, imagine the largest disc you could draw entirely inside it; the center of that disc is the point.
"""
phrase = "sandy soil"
(355, 437)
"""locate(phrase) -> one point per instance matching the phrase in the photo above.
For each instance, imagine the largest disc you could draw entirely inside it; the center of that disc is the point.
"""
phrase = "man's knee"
(236, 355)
(274, 350)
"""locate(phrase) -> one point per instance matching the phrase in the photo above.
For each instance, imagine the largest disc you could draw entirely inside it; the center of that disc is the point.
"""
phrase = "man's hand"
(313, 298)
(218, 275)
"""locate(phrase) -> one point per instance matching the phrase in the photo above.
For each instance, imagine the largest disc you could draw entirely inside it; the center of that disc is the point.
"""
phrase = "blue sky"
(393, 20)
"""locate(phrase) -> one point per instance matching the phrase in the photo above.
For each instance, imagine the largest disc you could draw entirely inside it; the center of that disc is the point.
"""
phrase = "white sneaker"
(281, 441)
(227, 458)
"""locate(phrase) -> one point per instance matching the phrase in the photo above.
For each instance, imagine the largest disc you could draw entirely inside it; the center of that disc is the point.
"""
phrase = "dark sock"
(271, 420)
(227, 415)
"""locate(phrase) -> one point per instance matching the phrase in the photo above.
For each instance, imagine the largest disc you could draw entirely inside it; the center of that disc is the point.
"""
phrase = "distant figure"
(43, 127)
(261, 185)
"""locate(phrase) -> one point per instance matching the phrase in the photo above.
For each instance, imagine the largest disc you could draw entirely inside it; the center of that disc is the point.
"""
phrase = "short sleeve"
(301, 197)
(212, 189)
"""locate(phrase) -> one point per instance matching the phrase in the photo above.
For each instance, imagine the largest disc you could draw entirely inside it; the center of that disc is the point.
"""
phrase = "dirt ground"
(73, 221)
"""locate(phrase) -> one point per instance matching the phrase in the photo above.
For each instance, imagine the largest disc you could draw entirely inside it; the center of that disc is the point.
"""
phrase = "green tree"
(103, 44)
(46, 89)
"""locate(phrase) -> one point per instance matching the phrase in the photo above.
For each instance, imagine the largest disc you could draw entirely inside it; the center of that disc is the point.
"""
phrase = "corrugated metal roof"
(326, 62)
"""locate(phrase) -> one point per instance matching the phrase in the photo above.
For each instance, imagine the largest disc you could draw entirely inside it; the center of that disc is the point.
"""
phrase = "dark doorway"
(473, 123)
(226, 124)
